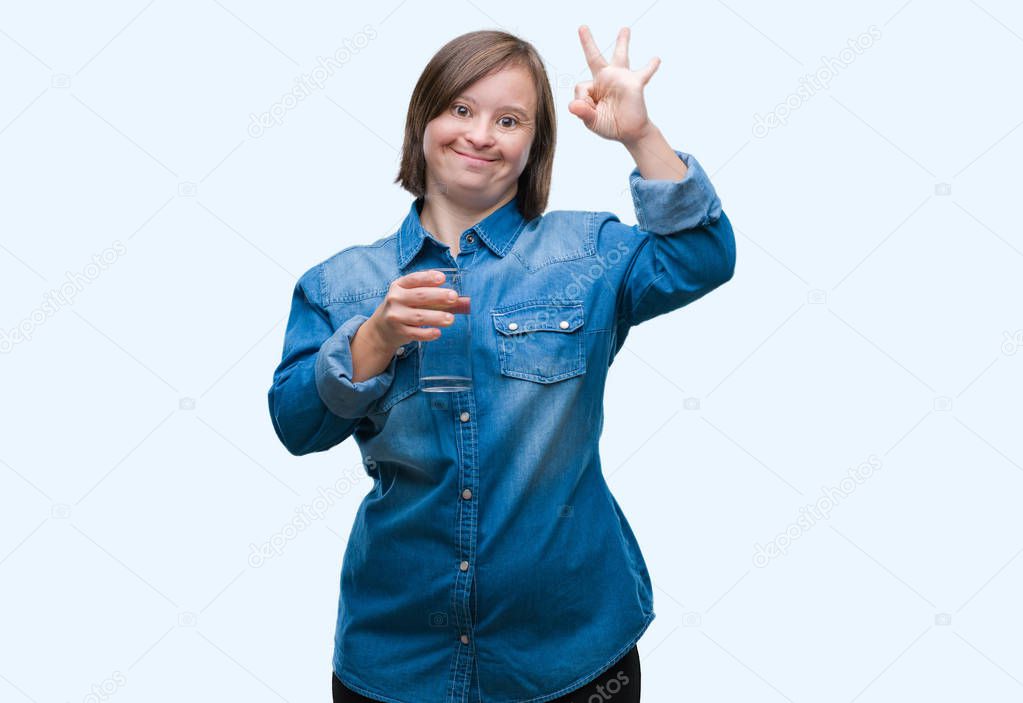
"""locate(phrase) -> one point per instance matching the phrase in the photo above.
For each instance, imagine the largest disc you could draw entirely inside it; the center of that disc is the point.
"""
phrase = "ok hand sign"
(611, 105)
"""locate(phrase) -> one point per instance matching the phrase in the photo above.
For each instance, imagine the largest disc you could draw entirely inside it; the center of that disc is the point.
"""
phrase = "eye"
(513, 119)
(456, 106)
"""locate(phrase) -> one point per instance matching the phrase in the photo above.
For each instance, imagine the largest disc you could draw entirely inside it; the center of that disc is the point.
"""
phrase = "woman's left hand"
(611, 104)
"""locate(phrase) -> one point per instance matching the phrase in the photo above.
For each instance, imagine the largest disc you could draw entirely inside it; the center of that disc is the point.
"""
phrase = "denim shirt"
(489, 560)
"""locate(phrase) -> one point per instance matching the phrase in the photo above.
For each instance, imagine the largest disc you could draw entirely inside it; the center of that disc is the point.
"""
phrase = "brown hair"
(458, 64)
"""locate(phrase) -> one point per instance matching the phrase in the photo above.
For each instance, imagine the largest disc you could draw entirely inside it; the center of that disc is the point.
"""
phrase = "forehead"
(511, 85)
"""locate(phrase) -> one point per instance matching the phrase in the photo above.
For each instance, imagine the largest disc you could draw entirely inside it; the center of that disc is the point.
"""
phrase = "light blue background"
(874, 315)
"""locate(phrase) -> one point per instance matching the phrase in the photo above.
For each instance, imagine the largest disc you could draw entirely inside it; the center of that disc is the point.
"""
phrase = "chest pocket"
(406, 378)
(540, 340)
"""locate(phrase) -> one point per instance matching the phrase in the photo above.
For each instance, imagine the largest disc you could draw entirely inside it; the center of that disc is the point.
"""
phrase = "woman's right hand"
(413, 300)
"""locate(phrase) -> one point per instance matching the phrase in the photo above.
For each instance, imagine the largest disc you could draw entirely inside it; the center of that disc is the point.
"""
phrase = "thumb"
(583, 110)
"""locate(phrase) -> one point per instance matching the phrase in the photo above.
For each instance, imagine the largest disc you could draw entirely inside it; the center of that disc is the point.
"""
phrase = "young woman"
(490, 561)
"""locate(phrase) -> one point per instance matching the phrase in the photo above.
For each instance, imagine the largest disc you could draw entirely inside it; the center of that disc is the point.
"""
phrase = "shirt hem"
(579, 682)
(362, 690)
(583, 680)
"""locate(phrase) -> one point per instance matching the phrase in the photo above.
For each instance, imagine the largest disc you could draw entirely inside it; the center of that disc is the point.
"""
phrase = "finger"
(582, 91)
(649, 70)
(428, 297)
(422, 317)
(584, 111)
(429, 277)
(621, 53)
(422, 334)
(594, 58)
(422, 289)
(461, 306)
(426, 324)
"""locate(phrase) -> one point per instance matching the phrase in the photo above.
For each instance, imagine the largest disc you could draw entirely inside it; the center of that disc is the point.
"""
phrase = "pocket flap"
(534, 316)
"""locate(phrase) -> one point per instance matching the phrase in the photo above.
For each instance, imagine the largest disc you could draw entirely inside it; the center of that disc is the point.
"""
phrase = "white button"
(513, 325)
(401, 350)
(563, 324)
(467, 494)
(465, 639)
(464, 417)
(464, 566)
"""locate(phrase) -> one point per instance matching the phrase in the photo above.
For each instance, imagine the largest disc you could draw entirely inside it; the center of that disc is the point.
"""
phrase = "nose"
(479, 135)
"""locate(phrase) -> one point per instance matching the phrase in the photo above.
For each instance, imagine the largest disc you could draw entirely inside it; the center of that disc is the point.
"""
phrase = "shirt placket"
(464, 409)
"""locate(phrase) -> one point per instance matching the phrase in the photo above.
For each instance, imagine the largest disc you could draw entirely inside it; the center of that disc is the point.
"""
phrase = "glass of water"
(445, 363)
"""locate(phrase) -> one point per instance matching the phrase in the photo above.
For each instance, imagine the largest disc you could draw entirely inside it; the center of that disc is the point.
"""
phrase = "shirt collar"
(498, 229)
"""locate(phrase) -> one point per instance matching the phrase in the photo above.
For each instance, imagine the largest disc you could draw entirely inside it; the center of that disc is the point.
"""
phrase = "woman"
(490, 561)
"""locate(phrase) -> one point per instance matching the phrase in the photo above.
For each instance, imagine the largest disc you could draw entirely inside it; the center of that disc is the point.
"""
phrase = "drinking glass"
(445, 363)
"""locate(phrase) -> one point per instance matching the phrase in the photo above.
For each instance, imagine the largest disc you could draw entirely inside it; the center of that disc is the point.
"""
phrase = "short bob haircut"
(457, 65)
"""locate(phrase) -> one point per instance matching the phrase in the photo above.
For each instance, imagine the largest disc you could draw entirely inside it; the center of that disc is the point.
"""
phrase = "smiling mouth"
(473, 159)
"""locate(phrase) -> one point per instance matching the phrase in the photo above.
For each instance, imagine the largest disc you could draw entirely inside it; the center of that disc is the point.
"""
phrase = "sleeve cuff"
(338, 392)
(665, 207)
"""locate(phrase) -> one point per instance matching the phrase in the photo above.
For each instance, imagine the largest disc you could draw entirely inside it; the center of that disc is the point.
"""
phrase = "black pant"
(619, 683)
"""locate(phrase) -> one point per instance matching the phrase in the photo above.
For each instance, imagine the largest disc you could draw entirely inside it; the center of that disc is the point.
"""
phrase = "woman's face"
(492, 120)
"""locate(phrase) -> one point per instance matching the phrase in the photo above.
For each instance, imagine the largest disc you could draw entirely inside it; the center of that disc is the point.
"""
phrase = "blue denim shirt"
(489, 561)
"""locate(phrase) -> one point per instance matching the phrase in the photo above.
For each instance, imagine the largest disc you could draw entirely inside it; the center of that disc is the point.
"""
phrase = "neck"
(446, 219)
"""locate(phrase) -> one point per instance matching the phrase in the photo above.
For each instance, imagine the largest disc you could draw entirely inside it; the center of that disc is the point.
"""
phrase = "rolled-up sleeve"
(313, 402)
(666, 207)
(345, 397)
(682, 248)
